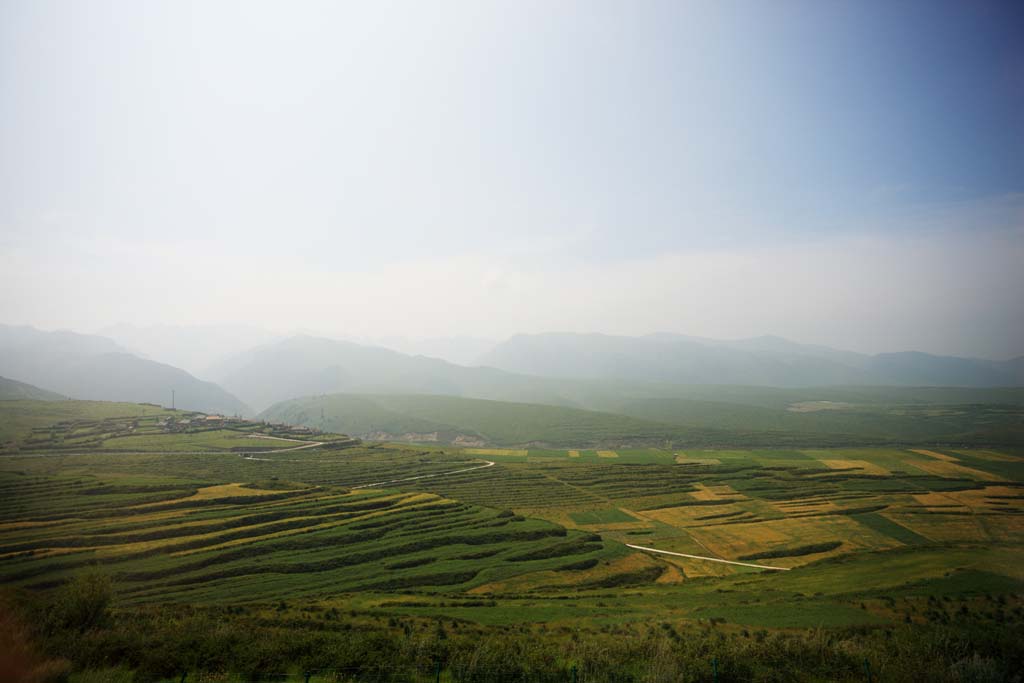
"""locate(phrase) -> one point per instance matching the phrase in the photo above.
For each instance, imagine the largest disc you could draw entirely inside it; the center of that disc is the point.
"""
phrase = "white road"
(709, 559)
(424, 476)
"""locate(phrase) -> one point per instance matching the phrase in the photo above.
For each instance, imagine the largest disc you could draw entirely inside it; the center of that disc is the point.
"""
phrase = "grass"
(19, 418)
(611, 516)
(890, 528)
(446, 418)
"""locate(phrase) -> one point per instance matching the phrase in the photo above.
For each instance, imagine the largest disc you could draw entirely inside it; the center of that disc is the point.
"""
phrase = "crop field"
(795, 506)
(174, 541)
(231, 516)
(163, 497)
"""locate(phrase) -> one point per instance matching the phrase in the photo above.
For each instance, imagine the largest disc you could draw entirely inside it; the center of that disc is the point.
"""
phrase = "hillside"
(19, 418)
(11, 390)
(655, 421)
(304, 366)
(761, 361)
(904, 422)
(448, 419)
(95, 368)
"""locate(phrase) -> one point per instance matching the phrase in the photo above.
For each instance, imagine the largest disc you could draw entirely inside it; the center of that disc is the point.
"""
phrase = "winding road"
(709, 559)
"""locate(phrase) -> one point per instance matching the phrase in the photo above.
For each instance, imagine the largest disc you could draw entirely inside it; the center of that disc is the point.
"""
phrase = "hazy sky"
(847, 173)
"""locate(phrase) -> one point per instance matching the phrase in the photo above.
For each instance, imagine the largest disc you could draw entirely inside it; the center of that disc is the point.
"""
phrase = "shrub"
(80, 604)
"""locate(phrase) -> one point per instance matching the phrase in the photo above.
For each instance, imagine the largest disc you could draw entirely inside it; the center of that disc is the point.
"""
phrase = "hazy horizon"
(842, 174)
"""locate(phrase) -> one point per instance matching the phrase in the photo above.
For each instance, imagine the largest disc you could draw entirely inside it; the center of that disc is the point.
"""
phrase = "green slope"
(421, 417)
(11, 390)
(19, 418)
(652, 421)
(975, 422)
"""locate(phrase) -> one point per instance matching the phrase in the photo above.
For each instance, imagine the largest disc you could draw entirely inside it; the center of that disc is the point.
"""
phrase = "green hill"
(19, 418)
(471, 421)
(681, 422)
(897, 422)
(12, 390)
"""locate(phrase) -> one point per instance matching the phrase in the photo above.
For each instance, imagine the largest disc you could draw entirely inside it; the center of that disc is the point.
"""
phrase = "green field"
(721, 416)
(362, 541)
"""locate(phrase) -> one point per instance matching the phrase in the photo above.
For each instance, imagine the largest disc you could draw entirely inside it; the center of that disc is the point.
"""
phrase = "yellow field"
(496, 451)
(950, 469)
(574, 454)
(704, 492)
(939, 527)
(228, 491)
(976, 499)
(990, 455)
(733, 540)
(868, 467)
(686, 516)
(933, 454)
(937, 502)
(607, 454)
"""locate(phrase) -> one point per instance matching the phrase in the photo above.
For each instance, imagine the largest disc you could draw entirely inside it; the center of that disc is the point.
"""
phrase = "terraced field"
(173, 524)
(282, 535)
(795, 506)
(270, 540)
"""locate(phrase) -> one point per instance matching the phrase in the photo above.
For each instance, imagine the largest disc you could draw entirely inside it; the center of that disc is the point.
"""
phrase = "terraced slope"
(237, 542)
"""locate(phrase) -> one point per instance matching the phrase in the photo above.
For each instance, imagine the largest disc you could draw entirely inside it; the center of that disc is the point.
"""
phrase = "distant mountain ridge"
(96, 368)
(759, 361)
(586, 371)
(306, 366)
(193, 348)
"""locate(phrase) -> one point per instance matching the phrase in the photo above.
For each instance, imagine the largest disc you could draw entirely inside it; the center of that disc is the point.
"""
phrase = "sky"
(841, 173)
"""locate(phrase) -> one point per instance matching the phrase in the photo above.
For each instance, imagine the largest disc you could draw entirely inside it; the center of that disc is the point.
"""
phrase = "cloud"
(943, 291)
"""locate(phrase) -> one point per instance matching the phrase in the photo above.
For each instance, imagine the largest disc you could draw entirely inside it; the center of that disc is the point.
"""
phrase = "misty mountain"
(96, 368)
(760, 361)
(922, 369)
(197, 349)
(11, 390)
(306, 366)
(460, 350)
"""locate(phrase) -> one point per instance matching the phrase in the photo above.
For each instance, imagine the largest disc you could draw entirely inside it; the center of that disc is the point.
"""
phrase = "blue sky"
(501, 167)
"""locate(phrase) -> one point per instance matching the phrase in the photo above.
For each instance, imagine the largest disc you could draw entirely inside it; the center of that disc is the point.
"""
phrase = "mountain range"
(592, 371)
(759, 361)
(97, 368)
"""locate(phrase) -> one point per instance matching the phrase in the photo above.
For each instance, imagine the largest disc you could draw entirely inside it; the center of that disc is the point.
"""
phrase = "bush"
(80, 604)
